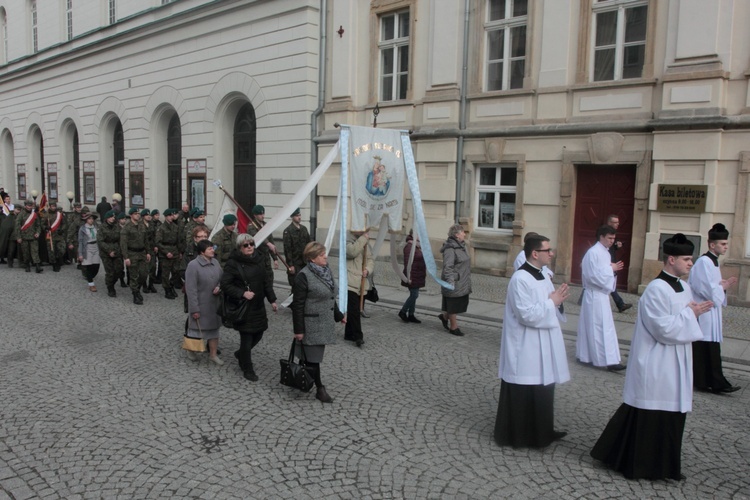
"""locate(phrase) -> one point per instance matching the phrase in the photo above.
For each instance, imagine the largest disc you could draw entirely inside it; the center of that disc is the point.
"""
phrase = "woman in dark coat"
(202, 278)
(457, 272)
(245, 279)
(416, 276)
(314, 311)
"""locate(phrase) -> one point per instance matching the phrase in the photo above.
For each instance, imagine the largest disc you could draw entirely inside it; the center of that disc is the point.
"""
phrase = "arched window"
(119, 159)
(3, 36)
(174, 162)
(244, 157)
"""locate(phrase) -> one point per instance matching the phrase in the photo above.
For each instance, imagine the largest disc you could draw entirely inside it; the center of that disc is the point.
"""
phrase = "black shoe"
(170, 294)
(250, 375)
(584, 363)
(39, 268)
(457, 332)
(145, 289)
(137, 299)
(322, 395)
(359, 342)
(728, 390)
(122, 283)
(151, 288)
(413, 319)
(558, 435)
(624, 307)
(56, 268)
(444, 321)
(403, 316)
(616, 368)
(111, 291)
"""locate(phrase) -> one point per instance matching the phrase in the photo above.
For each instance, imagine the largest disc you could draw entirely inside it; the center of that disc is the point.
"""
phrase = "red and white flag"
(228, 207)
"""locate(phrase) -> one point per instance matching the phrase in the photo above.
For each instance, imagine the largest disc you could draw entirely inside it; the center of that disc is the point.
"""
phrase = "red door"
(602, 190)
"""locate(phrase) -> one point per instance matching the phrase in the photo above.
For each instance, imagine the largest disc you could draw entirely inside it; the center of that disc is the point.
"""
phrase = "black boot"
(145, 289)
(137, 299)
(322, 396)
(39, 268)
(249, 373)
(122, 283)
(170, 294)
(56, 268)
(111, 291)
(151, 287)
(28, 267)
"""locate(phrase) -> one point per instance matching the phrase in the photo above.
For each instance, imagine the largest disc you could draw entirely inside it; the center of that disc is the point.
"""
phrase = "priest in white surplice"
(532, 353)
(708, 284)
(644, 437)
(597, 338)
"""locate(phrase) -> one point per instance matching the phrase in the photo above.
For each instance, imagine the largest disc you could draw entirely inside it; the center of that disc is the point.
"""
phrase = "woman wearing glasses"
(245, 278)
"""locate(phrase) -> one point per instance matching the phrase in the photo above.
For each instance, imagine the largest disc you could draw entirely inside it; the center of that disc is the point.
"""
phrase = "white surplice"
(532, 351)
(597, 338)
(704, 279)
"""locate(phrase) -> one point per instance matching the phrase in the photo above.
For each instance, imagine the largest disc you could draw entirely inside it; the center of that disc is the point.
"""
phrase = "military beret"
(192, 212)
(296, 212)
(259, 209)
(169, 211)
(110, 213)
(133, 210)
(145, 212)
(85, 210)
(28, 202)
(197, 213)
(155, 212)
(77, 204)
(121, 216)
(229, 219)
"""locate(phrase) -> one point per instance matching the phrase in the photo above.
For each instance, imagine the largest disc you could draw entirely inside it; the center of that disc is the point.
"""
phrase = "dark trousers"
(248, 340)
(170, 276)
(707, 371)
(353, 330)
(138, 271)
(112, 270)
(411, 303)
(90, 271)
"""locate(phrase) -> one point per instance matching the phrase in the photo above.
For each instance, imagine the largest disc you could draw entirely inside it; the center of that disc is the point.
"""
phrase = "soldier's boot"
(122, 283)
(28, 267)
(56, 267)
(39, 268)
(151, 287)
(10, 263)
(137, 299)
(145, 289)
(111, 291)
(169, 293)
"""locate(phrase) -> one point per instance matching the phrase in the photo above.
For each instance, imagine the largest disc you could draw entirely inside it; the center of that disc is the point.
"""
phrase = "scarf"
(324, 273)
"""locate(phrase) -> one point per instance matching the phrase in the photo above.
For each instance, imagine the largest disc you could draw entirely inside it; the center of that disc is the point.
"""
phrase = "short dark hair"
(612, 216)
(605, 230)
(533, 243)
(204, 245)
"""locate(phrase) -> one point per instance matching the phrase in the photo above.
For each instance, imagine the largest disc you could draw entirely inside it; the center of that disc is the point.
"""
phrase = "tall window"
(619, 39)
(496, 195)
(69, 19)
(4, 35)
(394, 56)
(34, 34)
(112, 11)
(506, 44)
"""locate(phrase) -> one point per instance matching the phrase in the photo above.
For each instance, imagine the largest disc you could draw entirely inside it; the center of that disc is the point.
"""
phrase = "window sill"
(630, 82)
(501, 93)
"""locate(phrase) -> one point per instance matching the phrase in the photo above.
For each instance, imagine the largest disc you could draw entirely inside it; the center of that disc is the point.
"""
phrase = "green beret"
(132, 211)
(197, 213)
(154, 212)
(229, 219)
(121, 216)
(109, 214)
(145, 212)
(77, 204)
(259, 210)
(192, 212)
(296, 212)
(169, 211)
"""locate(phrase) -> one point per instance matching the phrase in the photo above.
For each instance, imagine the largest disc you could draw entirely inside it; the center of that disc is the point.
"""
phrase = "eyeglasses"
(245, 245)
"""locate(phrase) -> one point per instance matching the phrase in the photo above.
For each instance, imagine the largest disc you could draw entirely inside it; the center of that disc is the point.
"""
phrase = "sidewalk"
(487, 305)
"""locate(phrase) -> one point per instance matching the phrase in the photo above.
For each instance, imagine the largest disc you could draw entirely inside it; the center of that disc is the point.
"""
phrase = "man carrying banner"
(56, 229)
(28, 229)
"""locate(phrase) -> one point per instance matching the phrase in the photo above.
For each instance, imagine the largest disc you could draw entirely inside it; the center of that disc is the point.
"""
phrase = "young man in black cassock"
(643, 439)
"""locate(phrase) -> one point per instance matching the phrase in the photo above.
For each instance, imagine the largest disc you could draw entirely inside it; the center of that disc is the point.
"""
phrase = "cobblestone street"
(99, 401)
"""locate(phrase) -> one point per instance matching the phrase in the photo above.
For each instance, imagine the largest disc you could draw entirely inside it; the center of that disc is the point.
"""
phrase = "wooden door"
(602, 190)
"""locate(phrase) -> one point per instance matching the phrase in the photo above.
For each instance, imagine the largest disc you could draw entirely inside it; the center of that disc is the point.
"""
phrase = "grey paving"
(98, 401)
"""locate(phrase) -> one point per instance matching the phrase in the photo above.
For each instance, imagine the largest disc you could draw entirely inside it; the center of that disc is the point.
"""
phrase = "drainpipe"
(316, 114)
(462, 114)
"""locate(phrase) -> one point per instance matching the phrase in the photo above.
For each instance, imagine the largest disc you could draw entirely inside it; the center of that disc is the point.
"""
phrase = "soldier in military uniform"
(56, 225)
(267, 251)
(225, 239)
(71, 237)
(167, 242)
(198, 219)
(148, 286)
(296, 237)
(28, 229)
(122, 220)
(134, 247)
(108, 239)
(155, 275)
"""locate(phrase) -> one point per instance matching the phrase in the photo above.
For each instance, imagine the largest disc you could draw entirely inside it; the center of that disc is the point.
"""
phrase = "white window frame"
(497, 189)
(112, 11)
(394, 45)
(507, 25)
(34, 27)
(69, 19)
(620, 6)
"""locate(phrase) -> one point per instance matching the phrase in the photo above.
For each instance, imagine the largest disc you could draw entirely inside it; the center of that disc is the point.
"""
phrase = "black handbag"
(296, 375)
(372, 294)
(230, 310)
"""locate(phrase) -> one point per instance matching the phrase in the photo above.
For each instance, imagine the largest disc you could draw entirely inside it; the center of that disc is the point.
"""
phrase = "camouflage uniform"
(29, 238)
(58, 237)
(74, 223)
(225, 242)
(109, 241)
(156, 270)
(168, 240)
(295, 239)
(133, 245)
(148, 285)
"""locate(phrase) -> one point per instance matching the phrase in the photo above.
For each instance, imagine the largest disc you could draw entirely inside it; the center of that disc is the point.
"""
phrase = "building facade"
(156, 99)
(549, 115)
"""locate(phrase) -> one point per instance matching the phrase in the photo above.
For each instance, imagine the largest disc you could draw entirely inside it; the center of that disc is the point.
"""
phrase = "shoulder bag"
(296, 375)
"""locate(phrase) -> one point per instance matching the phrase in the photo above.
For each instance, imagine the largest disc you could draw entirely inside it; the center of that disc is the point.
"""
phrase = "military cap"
(85, 210)
(145, 212)
(77, 204)
(133, 210)
(28, 202)
(121, 216)
(296, 212)
(155, 212)
(110, 213)
(192, 211)
(169, 211)
(229, 219)
(259, 210)
(197, 213)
